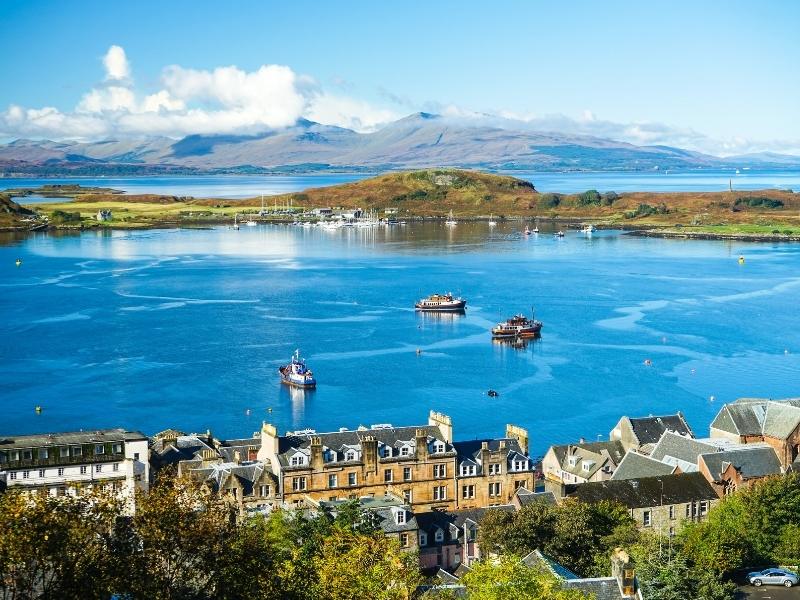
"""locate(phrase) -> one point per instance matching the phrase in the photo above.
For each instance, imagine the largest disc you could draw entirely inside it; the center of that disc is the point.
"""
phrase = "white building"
(63, 463)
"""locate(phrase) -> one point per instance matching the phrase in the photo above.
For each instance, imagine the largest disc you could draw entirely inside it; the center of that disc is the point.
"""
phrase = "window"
(587, 467)
(439, 471)
(703, 507)
(400, 517)
(298, 484)
(467, 491)
(298, 460)
(233, 492)
(671, 532)
(387, 475)
(467, 470)
(438, 447)
(115, 467)
(63, 452)
(41, 472)
(263, 491)
(99, 449)
(117, 448)
(83, 470)
(349, 455)
(439, 535)
(77, 451)
(61, 471)
(27, 454)
(671, 512)
(573, 460)
(135, 456)
(423, 538)
(518, 484)
(405, 451)
(495, 469)
(13, 455)
(406, 473)
(495, 489)
(12, 475)
(440, 492)
(333, 481)
(26, 474)
(387, 451)
(43, 453)
(407, 496)
(688, 510)
(646, 518)
(352, 479)
(404, 540)
(98, 468)
(520, 465)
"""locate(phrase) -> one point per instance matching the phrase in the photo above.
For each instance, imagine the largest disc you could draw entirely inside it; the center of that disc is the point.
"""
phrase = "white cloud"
(116, 64)
(348, 112)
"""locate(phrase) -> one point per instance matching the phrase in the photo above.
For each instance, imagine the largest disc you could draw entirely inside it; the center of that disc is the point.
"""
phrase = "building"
(635, 466)
(737, 468)
(582, 462)
(682, 452)
(420, 464)
(662, 504)
(449, 539)
(66, 463)
(524, 497)
(642, 433)
(104, 215)
(322, 212)
(775, 422)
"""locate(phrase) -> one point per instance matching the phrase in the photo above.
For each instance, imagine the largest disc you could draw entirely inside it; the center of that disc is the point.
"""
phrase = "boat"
(441, 303)
(236, 221)
(296, 374)
(559, 234)
(451, 222)
(492, 222)
(527, 230)
(588, 228)
(250, 222)
(518, 326)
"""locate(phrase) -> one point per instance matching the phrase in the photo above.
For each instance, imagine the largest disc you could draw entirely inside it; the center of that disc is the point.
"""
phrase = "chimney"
(237, 457)
(502, 444)
(622, 569)
(316, 453)
(484, 456)
(269, 446)
(520, 434)
(369, 453)
(444, 423)
(421, 439)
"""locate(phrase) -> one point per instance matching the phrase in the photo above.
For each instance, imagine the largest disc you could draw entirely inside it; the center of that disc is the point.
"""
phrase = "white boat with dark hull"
(451, 221)
(517, 327)
(441, 303)
(296, 374)
(588, 228)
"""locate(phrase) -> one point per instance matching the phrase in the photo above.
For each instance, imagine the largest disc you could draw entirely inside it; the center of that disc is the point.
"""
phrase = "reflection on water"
(185, 328)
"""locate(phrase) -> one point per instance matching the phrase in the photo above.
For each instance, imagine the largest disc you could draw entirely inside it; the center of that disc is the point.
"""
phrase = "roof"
(600, 453)
(646, 492)
(600, 588)
(635, 466)
(537, 559)
(759, 416)
(752, 460)
(682, 451)
(71, 437)
(526, 497)
(220, 474)
(452, 522)
(648, 430)
(471, 450)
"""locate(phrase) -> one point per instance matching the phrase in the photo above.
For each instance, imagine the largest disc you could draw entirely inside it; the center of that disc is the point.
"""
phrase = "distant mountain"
(417, 141)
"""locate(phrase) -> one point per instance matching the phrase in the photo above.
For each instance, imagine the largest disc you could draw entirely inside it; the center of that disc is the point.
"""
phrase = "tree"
(354, 566)
(508, 578)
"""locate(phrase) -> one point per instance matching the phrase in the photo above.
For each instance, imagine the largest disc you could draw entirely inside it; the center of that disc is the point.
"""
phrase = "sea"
(186, 328)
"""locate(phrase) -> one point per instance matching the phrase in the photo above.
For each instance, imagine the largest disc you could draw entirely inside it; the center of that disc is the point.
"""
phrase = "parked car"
(773, 577)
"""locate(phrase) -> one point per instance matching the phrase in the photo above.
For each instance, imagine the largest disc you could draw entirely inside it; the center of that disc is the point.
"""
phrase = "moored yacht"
(441, 303)
(451, 221)
(492, 222)
(588, 228)
(518, 326)
(296, 373)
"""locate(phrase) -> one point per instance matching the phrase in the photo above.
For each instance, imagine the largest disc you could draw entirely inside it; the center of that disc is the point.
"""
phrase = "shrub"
(758, 202)
(609, 198)
(589, 197)
(549, 200)
(60, 216)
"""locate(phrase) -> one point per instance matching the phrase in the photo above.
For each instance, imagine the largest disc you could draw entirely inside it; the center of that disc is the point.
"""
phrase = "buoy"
(492, 394)
(741, 260)
(419, 351)
(692, 371)
(38, 409)
(269, 410)
(647, 362)
(19, 262)
(247, 412)
(711, 398)
(786, 351)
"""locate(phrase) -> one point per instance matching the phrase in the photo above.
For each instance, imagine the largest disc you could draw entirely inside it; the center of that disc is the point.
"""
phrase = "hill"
(12, 215)
(420, 140)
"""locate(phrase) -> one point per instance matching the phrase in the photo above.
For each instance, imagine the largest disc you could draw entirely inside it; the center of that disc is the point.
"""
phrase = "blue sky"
(715, 76)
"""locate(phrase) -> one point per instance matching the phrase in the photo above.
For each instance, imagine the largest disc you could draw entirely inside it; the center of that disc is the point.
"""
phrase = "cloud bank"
(229, 100)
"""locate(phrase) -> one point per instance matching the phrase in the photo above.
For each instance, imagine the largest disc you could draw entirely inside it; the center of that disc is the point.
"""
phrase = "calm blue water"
(232, 186)
(186, 328)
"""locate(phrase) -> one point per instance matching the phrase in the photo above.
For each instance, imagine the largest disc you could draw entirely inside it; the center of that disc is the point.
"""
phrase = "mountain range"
(417, 141)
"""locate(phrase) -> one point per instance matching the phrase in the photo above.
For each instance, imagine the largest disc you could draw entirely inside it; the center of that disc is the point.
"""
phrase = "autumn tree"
(508, 578)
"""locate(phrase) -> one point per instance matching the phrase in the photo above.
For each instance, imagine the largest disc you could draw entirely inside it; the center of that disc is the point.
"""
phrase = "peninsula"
(433, 193)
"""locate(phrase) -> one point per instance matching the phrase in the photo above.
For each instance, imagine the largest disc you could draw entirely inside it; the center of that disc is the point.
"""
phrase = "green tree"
(508, 578)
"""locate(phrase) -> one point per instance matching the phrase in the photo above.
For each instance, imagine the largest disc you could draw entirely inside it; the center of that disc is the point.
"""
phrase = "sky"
(714, 76)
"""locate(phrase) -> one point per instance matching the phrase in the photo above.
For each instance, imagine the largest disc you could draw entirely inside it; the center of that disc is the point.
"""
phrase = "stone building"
(420, 464)
(737, 468)
(642, 433)
(66, 463)
(751, 420)
(582, 462)
(662, 504)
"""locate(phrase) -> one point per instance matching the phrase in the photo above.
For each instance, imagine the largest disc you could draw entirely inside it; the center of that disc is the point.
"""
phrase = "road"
(767, 592)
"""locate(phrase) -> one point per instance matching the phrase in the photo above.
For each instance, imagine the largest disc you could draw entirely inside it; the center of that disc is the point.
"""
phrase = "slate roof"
(384, 507)
(526, 497)
(752, 460)
(635, 465)
(648, 430)
(39, 440)
(219, 475)
(601, 453)
(647, 491)
(184, 448)
(537, 559)
(682, 451)
(470, 451)
(602, 588)
(452, 522)
(759, 416)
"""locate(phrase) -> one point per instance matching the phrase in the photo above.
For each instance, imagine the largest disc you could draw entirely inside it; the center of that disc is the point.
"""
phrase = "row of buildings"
(427, 488)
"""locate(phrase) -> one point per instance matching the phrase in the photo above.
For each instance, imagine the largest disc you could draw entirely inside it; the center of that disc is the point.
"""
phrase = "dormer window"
(350, 455)
(298, 460)
(467, 470)
(573, 461)
(587, 465)
(520, 465)
(387, 452)
(423, 538)
(405, 451)
(400, 517)
(439, 535)
(438, 447)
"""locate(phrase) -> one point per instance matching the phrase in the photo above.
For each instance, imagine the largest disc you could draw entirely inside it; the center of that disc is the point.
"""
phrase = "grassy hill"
(12, 215)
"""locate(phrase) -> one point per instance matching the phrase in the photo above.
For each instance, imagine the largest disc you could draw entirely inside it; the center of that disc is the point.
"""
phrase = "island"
(431, 194)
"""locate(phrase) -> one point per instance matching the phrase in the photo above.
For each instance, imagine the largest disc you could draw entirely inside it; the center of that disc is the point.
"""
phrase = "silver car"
(773, 577)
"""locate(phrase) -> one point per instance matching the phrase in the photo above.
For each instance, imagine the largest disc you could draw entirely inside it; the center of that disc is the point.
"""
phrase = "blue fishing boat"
(297, 374)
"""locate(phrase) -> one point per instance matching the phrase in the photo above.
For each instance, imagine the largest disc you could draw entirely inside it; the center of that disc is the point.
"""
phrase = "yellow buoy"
(19, 262)
(38, 410)
(741, 260)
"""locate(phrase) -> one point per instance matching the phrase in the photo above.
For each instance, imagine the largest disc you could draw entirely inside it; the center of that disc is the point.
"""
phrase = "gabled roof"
(647, 491)
(754, 416)
(538, 560)
(93, 436)
(599, 588)
(682, 451)
(635, 466)
(648, 430)
(526, 497)
(453, 521)
(751, 460)
(600, 453)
